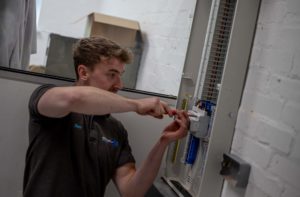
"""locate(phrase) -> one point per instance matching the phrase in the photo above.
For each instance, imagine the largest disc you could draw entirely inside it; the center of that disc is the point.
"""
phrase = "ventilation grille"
(218, 50)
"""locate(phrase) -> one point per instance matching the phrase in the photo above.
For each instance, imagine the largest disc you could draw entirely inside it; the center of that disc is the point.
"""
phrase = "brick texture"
(268, 125)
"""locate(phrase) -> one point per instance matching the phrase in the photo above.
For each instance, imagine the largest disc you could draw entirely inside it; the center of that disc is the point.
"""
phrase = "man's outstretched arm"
(60, 101)
(135, 183)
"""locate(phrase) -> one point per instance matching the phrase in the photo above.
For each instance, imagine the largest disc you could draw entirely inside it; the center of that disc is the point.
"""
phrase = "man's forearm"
(60, 101)
(96, 101)
(143, 178)
(135, 183)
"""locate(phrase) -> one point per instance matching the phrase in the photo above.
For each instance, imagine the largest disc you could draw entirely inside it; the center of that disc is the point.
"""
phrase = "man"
(76, 147)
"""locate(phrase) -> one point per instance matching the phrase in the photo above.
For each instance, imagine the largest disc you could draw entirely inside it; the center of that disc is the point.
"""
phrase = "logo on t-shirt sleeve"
(77, 126)
(113, 142)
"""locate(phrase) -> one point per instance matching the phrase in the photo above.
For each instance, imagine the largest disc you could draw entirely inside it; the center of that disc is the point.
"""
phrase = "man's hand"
(178, 128)
(153, 107)
(136, 182)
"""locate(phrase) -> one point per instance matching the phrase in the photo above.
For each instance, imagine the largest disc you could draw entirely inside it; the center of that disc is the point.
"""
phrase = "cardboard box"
(122, 31)
(125, 32)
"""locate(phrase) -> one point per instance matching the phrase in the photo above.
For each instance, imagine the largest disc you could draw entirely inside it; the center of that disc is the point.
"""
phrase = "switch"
(235, 170)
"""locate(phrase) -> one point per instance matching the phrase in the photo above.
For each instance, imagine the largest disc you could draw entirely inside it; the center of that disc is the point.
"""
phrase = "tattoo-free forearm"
(143, 178)
(96, 101)
(60, 101)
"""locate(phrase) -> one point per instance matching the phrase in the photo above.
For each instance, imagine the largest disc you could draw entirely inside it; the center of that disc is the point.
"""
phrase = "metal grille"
(218, 50)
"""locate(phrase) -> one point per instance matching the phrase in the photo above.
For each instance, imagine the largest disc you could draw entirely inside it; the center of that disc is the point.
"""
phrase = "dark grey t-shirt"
(76, 155)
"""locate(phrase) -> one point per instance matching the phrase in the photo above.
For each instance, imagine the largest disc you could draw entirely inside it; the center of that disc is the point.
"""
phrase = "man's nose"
(119, 83)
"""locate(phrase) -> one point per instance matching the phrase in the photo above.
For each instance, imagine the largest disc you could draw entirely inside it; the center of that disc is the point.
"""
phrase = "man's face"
(107, 75)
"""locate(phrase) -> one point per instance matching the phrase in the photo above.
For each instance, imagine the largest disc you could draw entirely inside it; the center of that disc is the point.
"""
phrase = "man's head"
(100, 62)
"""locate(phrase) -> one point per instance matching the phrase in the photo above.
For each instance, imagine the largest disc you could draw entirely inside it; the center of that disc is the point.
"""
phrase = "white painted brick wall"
(295, 154)
(285, 169)
(262, 103)
(290, 192)
(268, 126)
(270, 185)
(165, 26)
(265, 131)
(271, 133)
(252, 190)
(290, 115)
(247, 147)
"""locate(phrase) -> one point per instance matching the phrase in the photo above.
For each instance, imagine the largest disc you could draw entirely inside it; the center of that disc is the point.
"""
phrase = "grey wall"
(13, 134)
(143, 132)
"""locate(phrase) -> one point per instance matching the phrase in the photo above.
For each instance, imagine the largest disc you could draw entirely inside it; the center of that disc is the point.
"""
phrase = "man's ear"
(83, 73)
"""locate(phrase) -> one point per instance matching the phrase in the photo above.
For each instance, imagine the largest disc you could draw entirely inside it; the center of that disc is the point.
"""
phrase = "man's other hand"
(178, 128)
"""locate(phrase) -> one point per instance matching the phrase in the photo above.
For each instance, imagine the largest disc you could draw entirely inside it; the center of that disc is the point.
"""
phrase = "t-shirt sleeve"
(126, 153)
(34, 99)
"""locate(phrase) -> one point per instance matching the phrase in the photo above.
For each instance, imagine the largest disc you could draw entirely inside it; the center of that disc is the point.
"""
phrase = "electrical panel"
(186, 157)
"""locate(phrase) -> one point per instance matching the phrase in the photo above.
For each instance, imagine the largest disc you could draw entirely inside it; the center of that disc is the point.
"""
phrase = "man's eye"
(112, 75)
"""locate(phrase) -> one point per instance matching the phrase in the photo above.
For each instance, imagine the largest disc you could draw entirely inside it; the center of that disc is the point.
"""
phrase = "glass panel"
(160, 46)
